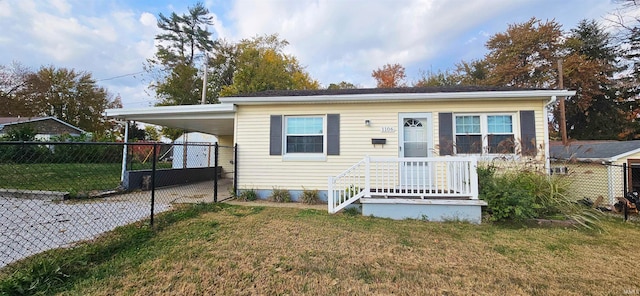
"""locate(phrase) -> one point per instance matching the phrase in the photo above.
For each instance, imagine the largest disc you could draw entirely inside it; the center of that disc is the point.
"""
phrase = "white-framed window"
(484, 133)
(304, 135)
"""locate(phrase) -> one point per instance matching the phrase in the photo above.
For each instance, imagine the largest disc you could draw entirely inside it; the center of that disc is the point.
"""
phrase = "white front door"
(415, 141)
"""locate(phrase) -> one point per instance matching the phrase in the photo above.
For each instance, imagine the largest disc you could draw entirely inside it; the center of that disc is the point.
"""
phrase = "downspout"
(547, 161)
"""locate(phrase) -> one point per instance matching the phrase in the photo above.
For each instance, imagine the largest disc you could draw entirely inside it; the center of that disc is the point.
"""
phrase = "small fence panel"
(56, 195)
(593, 181)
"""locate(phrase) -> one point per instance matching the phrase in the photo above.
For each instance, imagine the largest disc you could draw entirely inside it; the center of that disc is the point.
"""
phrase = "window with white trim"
(484, 134)
(304, 134)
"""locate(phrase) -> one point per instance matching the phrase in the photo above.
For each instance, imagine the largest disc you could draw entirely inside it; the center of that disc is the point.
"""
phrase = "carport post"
(124, 152)
(153, 181)
(215, 173)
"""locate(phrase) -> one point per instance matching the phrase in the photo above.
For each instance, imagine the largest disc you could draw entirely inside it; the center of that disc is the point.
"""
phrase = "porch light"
(367, 122)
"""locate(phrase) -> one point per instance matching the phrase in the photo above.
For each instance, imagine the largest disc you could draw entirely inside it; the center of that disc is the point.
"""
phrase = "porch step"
(469, 210)
(380, 196)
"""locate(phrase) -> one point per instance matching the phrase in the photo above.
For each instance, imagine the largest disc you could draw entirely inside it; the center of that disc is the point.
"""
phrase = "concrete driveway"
(30, 226)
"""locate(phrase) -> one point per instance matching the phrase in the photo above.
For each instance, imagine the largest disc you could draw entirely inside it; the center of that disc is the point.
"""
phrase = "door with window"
(415, 138)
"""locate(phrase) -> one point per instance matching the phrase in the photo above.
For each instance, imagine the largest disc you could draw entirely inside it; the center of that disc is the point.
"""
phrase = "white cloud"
(62, 6)
(361, 35)
(148, 19)
(336, 39)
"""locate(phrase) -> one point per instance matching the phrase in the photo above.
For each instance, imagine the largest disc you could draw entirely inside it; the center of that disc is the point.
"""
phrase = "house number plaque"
(387, 129)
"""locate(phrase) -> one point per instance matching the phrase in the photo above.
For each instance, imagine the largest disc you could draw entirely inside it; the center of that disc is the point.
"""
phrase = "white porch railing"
(428, 177)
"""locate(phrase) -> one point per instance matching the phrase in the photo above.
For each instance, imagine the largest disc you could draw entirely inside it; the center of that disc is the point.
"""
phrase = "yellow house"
(396, 151)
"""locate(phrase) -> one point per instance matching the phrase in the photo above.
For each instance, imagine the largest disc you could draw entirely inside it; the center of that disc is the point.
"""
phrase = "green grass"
(207, 249)
(69, 177)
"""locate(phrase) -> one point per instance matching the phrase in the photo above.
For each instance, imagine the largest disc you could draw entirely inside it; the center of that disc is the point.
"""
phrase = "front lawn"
(208, 249)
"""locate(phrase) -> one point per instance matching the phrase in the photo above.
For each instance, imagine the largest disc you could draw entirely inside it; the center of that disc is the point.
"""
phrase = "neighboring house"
(596, 167)
(402, 152)
(45, 127)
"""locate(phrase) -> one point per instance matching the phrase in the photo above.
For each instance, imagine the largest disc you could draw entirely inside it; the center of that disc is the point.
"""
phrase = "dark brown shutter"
(528, 133)
(333, 134)
(275, 135)
(445, 127)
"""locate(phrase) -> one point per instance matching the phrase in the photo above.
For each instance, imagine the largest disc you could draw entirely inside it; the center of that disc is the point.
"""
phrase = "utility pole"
(563, 118)
(204, 79)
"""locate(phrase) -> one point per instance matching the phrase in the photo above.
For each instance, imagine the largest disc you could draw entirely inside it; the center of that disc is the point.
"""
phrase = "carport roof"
(214, 119)
(594, 150)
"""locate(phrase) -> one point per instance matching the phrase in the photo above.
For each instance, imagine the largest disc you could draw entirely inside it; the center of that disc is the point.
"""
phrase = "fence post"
(215, 172)
(235, 169)
(625, 190)
(153, 181)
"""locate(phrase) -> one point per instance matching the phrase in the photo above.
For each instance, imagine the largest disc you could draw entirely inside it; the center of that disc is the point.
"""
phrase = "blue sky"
(337, 40)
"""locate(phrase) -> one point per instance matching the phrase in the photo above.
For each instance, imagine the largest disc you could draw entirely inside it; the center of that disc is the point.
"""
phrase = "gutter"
(400, 97)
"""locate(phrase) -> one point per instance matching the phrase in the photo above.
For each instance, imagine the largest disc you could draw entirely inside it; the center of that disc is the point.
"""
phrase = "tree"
(431, 79)
(184, 35)
(389, 76)
(181, 86)
(178, 81)
(262, 65)
(152, 133)
(342, 85)
(13, 81)
(599, 110)
(525, 55)
(475, 72)
(68, 95)
(222, 66)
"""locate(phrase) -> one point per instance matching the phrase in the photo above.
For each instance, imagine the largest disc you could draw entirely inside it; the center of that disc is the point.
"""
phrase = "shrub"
(248, 195)
(524, 194)
(309, 196)
(508, 196)
(280, 195)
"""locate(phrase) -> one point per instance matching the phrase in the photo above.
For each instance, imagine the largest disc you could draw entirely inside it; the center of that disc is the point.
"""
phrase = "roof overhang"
(34, 119)
(214, 119)
(549, 95)
(218, 119)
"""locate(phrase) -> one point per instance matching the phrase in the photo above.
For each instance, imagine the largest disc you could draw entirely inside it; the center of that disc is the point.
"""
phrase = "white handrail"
(410, 177)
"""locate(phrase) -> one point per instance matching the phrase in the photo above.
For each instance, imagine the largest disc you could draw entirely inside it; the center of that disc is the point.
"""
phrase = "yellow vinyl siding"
(259, 170)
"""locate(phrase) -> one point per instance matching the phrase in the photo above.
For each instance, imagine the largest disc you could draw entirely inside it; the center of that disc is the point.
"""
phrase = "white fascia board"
(169, 111)
(398, 97)
(617, 157)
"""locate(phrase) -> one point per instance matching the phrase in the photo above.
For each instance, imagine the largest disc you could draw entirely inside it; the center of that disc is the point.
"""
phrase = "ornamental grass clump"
(280, 195)
(310, 196)
(519, 195)
(248, 195)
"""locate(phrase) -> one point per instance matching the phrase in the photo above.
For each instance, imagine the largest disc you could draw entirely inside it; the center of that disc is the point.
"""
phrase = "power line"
(120, 76)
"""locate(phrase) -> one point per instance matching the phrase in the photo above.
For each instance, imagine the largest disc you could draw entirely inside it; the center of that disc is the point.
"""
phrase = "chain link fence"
(601, 184)
(56, 195)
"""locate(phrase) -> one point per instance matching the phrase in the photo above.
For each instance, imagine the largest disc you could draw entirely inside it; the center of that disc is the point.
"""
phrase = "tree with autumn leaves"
(390, 76)
(69, 95)
(526, 55)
